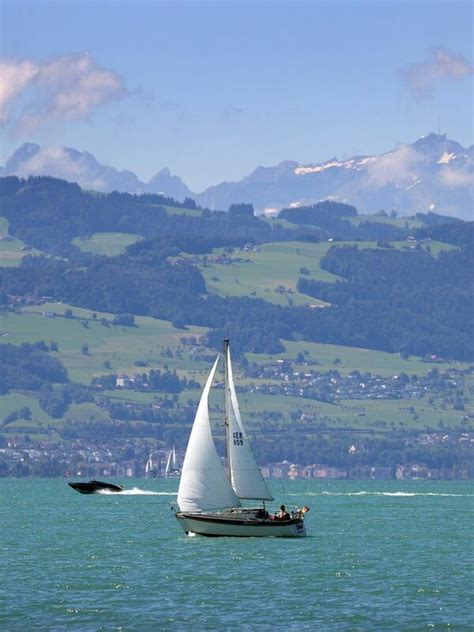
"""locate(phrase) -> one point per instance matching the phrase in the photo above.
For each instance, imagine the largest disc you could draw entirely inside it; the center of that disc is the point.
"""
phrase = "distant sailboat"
(150, 468)
(171, 469)
(209, 498)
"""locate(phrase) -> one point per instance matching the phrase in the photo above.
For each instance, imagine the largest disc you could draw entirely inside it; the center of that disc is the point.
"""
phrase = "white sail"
(173, 459)
(204, 485)
(149, 465)
(246, 477)
(168, 464)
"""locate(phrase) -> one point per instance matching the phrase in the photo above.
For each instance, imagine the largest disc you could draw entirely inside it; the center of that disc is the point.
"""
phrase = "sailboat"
(150, 468)
(171, 468)
(209, 497)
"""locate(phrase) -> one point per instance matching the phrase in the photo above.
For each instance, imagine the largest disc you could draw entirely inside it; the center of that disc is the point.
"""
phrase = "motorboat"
(94, 487)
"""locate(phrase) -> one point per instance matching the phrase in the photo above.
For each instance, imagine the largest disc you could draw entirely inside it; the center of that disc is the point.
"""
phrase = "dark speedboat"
(94, 487)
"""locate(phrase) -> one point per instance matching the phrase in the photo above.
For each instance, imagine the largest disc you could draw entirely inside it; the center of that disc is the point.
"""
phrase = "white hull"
(219, 525)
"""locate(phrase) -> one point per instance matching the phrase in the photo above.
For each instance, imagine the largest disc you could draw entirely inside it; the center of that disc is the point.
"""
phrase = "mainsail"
(173, 459)
(149, 465)
(246, 477)
(204, 485)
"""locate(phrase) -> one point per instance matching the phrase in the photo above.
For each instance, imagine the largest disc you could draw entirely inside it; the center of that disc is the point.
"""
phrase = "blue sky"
(212, 90)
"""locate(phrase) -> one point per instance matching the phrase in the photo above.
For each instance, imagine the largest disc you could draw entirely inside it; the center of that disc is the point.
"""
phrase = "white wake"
(136, 491)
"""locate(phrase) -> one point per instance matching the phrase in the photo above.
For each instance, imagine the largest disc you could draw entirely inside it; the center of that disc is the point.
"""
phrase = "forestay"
(246, 477)
(204, 485)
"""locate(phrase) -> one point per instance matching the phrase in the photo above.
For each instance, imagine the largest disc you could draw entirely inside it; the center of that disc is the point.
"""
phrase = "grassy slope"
(273, 266)
(113, 244)
(191, 212)
(399, 222)
(152, 338)
(110, 244)
(352, 358)
(11, 252)
(121, 346)
(277, 265)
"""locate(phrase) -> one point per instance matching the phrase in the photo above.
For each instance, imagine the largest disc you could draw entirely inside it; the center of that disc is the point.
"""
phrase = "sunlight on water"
(381, 556)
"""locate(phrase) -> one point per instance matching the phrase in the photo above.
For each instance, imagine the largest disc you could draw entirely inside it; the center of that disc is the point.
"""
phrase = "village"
(130, 458)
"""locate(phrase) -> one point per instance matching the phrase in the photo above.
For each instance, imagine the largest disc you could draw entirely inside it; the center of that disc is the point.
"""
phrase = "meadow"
(109, 244)
(159, 344)
(271, 271)
(12, 250)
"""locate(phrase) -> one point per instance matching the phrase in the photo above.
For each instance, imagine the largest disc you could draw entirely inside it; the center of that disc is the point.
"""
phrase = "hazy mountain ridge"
(432, 174)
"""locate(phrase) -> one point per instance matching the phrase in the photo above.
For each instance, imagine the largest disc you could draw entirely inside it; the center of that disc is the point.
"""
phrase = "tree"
(242, 210)
(189, 203)
(127, 320)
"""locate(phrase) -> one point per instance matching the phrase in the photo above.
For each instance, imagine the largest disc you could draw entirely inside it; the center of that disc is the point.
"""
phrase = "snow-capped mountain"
(432, 174)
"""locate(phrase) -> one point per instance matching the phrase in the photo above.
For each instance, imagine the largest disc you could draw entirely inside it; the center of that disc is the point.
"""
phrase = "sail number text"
(238, 438)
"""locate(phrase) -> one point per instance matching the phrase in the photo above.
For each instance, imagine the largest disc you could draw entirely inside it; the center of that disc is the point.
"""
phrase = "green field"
(377, 416)
(155, 341)
(325, 357)
(399, 222)
(190, 212)
(159, 344)
(271, 272)
(12, 250)
(110, 244)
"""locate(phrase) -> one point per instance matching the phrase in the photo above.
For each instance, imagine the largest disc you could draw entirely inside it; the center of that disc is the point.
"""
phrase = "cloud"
(65, 164)
(422, 78)
(397, 167)
(457, 177)
(67, 87)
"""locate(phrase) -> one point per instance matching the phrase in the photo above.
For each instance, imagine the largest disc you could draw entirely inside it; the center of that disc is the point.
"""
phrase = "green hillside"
(121, 346)
(12, 250)
(271, 271)
(158, 345)
(110, 244)
(314, 365)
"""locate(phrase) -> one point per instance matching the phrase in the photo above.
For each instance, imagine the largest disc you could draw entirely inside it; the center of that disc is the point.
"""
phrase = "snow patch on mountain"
(446, 157)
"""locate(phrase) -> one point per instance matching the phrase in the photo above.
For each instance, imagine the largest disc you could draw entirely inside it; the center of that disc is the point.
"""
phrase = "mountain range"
(432, 174)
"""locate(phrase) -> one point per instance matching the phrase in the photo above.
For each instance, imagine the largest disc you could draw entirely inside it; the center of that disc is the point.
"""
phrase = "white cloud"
(63, 88)
(397, 167)
(53, 161)
(59, 163)
(422, 78)
(456, 177)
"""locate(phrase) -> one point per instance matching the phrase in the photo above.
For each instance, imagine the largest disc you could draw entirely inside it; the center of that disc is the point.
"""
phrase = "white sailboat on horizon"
(209, 497)
(171, 468)
(150, 468)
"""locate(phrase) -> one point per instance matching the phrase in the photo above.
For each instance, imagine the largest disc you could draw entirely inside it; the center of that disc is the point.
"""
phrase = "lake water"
(380, 556)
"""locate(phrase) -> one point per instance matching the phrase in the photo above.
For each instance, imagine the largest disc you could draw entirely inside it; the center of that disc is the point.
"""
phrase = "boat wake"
(135, 491)
(393, 494)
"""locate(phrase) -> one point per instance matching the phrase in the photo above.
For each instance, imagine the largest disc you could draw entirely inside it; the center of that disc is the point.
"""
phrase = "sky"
(212, 90)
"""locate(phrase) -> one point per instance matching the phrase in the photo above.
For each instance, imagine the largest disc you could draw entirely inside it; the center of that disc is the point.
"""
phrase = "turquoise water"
(380, 556)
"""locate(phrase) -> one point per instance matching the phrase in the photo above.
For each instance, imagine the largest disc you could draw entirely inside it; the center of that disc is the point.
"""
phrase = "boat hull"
(94, 487)
(226, 525)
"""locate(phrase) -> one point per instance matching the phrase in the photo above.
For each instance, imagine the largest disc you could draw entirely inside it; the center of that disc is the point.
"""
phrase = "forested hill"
(390, 293)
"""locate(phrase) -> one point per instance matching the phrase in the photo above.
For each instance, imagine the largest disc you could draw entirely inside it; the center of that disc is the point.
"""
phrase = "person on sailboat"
(301, 512)
(283, 514)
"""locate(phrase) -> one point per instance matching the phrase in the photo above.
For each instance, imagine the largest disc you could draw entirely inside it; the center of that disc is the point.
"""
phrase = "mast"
(226, 406)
